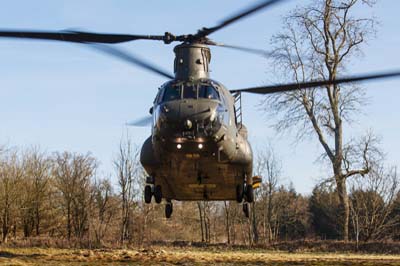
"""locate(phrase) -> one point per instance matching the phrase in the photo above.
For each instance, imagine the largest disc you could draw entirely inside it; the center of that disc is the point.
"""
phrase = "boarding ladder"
(238, 109)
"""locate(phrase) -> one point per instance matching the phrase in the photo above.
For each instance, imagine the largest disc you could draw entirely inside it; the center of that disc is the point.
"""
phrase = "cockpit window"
(190, 92)
(176, 91)
(171, 93)
(208, 92)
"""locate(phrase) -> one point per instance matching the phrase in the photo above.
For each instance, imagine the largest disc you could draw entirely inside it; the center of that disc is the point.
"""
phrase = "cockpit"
(172, 92)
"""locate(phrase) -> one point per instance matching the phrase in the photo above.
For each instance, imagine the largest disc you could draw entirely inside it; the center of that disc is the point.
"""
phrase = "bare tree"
(228, 222)
(373, 199)
(11, 173)
(316, 43)
(127, 167)
(267, 166)
(72, 174)
(104, 209)
(36, 178)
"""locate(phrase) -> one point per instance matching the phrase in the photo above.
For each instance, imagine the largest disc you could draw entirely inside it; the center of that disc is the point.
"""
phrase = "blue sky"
(67, 97)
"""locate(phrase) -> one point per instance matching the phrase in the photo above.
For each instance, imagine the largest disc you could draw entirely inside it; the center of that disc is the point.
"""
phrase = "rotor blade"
(318, 83)
(243, 49)
(142, 122)
(121, 54)
(251, 10)
(77, 36)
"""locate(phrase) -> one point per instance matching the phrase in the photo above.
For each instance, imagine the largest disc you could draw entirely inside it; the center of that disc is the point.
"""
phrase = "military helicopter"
(198, 148)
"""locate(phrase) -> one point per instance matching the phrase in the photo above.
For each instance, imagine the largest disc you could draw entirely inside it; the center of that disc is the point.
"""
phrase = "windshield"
(208, 92)
(190, 92)
(198, 91)
(171, 93)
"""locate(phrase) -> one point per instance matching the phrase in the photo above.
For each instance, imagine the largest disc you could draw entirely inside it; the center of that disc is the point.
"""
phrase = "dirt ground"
(183, 256)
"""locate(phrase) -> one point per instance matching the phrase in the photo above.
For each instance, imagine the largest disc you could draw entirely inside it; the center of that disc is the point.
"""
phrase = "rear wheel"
(168, 210)
(249, 193)
(157, 194)
(147, 194)
(239, 193)
(246, 210)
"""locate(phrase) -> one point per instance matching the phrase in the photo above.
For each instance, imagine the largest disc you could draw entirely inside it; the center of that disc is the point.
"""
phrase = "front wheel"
(249, 193)
(239, 193)
(147, 194)
(157, 194)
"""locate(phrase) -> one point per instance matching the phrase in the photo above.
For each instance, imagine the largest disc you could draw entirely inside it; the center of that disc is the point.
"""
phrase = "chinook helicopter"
(198, 148)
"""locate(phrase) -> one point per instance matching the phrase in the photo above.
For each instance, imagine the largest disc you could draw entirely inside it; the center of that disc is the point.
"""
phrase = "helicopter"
(198, 148)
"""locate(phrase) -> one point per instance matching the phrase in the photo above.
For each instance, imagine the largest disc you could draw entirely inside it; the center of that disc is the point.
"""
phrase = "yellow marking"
(192, 155)
(257, 179)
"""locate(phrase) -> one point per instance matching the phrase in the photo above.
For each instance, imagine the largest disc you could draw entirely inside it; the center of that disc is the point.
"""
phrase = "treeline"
(60, 199)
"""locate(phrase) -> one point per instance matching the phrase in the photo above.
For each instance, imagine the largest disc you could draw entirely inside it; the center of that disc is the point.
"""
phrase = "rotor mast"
(192, 61)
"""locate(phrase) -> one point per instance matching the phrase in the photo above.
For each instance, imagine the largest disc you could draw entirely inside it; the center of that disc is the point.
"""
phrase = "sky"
(62, 96)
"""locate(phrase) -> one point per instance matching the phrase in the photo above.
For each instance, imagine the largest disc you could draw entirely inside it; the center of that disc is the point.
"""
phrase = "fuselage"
(197, 149)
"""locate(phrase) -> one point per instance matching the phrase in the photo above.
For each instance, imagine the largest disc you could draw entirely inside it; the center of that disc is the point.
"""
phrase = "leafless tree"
(228, 221)
(72, 174)
(36, 179)
(372, 201)
(11, 173)
(104, 209)
(268, 166)
(205, 208)
(128, 169)
(316, 43)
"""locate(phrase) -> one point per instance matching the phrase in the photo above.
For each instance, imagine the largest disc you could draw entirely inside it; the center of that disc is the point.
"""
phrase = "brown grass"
(183, 256)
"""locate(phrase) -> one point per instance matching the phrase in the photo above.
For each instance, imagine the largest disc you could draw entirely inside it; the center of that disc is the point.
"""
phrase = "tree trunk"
(227, 223)
(254, 224)
(69, 226)
(37, 217)
(5, 226)
(344, 205)
(201, 221)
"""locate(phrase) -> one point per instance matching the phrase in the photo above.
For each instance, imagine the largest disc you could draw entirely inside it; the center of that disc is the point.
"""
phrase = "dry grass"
(182, 256)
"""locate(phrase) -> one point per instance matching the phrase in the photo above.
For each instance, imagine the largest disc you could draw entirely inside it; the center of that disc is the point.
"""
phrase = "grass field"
(183, 256)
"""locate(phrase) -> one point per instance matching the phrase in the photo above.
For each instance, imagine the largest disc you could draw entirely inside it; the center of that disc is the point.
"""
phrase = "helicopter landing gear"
(157, 194)
(168, 209)
(246, 209)
(151, 190)
(249, 193)
(148, 194)
(239, 193)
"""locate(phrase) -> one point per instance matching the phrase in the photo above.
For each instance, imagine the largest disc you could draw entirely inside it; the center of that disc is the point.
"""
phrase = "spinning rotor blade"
(121, 54)
(243, 49)
(318, 83)
(95, 40)
(77, 36)
(142, 122)
(207, 31)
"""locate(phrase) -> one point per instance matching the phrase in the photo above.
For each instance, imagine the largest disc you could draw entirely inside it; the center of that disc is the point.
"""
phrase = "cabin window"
(190, 92)
(172, 93)
(208, 92)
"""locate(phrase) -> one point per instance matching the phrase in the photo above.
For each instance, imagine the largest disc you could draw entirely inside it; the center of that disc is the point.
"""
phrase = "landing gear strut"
(245, 191)
(151, 190)
(168, 209)
(246, 209)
